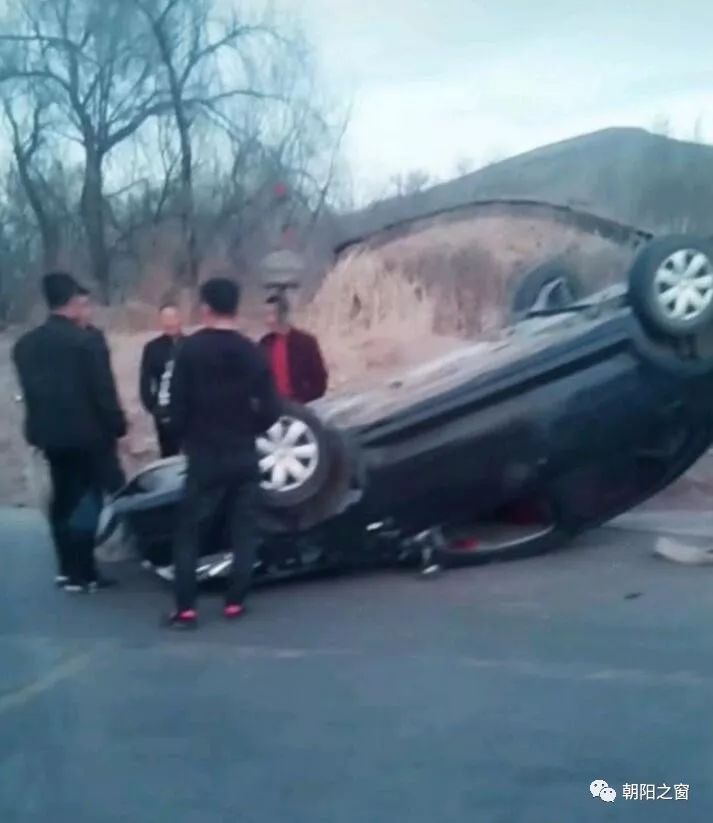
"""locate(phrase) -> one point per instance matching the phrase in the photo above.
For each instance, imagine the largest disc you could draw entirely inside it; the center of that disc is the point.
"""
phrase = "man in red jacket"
(294, 355)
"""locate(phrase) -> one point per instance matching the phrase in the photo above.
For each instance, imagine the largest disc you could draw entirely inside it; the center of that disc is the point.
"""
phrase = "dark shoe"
(233, 610)
(187, 619)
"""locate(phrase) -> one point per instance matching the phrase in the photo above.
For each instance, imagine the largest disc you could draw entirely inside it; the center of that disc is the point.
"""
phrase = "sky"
(436, 82)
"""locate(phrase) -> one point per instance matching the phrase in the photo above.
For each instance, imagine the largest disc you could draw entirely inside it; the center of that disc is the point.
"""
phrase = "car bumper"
(211, 567)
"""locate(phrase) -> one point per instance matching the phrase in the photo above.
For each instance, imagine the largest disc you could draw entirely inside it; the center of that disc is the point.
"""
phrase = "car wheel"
(500, 544)
(294, 458)
(552, 282)
(671, 286)
(341, 490)
(524, 528)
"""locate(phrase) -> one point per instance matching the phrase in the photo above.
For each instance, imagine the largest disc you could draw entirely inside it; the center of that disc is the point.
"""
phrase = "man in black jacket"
(223, 397)
(157, 363)
(72, 411)
(112, 471)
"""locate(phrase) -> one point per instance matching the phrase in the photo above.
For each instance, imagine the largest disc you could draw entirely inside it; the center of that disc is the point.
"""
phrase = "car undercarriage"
(502, 449)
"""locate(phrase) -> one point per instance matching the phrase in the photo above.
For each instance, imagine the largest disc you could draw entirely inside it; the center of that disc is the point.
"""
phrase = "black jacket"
(70, 396)
(155, 377)
(100, 338)
(223, 396)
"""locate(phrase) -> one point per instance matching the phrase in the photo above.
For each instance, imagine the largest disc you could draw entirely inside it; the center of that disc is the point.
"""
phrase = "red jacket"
(308, 374)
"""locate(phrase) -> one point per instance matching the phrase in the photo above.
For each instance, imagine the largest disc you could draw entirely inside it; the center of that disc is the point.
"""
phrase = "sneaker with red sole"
(186, 619)
(232, 611)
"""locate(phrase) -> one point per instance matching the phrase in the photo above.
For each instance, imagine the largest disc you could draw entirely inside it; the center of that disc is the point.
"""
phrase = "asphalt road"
(493, 695)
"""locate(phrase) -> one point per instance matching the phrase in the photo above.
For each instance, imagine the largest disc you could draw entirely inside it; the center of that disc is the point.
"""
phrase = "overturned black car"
(499, 450)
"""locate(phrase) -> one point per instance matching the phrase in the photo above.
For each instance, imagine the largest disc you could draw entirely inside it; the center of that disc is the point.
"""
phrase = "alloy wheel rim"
(684, 285)
(288, 455)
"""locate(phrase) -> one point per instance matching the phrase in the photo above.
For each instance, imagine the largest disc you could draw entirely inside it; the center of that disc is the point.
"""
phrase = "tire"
(671, 286)
(298, 439)
(539, 544)
(545, 528)
(530, 286)
(342, 488)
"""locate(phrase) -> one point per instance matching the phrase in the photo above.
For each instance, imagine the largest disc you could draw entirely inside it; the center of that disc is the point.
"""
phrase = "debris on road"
(678, 552)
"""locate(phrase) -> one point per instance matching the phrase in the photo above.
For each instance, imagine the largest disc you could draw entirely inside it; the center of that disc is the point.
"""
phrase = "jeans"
(210, 495)
(74, 510)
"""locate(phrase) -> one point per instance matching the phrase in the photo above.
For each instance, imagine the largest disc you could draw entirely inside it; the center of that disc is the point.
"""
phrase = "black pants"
(168, 444)
(74, 511)
(208, 496)
(113, 477)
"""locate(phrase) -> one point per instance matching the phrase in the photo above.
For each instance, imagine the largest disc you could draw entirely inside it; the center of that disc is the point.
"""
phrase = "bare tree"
(17, 245)
(403, 185)
(464, 165)
(661, 125)
(495, 154)
(244, 86)
(335, 171)
(94, 63)
(159, 105)
(698, 133)
(27, 140)
(191, 45)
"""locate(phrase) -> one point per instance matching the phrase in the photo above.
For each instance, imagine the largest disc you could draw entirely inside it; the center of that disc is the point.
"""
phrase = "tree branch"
(129, 99)
(150, 110)
(42, 39)
(142, 181)
(165, 189)
(7, 75)
(199, 55)
(332, 168)
(161, 19)
(91, 88)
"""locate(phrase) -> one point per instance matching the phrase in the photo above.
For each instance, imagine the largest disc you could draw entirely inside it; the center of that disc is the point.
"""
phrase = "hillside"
(626, 175)
(444, 263)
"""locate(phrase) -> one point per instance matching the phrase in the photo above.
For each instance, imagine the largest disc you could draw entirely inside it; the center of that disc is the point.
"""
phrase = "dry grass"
(388, 305)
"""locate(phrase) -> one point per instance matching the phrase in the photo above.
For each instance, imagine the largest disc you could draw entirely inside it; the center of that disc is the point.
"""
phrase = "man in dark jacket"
(294, 355)
(157, 363)
(223, 397)
(113, 473)
(72, 411)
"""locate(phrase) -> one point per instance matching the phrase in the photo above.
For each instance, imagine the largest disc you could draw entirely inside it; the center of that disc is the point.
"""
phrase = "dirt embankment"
(392, 302)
